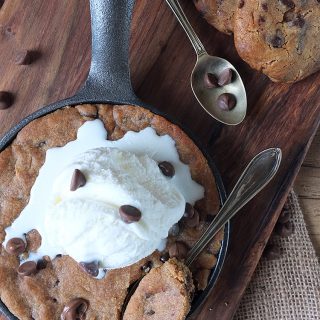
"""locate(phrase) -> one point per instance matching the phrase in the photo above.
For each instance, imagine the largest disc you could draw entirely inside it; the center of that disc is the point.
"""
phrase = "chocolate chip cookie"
(281, 38)
(219, 13)
(61, 287)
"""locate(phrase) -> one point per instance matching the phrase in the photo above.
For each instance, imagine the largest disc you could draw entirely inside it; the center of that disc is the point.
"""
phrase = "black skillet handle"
(109, 75)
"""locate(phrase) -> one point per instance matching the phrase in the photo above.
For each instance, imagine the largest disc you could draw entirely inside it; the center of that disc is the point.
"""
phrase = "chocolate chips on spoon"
(210, 80)
(226, 101)
(75, 309)
(91, 268)
(78, 180)
(129, 214)
(225, 77)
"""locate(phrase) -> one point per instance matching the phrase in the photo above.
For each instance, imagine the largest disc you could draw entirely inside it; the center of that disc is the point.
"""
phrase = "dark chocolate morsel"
(188, 211)
(15, 246)
(129, 214)
(210, 80)
(174, 230)
(178, 250)
(78, 180)
(6, 100)
(226, 101)
(75, 310)
(91, 268)
(225, 77)
(164, 257)
(194, 221)
(23, 57)
(147, 267)
(167, 168)
(28, 268)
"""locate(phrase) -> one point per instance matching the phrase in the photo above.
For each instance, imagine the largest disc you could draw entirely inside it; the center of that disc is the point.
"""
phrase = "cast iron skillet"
(109, 82)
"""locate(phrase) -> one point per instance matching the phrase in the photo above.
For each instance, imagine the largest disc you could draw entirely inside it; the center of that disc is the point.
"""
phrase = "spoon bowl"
(223, 98)
(208, 97)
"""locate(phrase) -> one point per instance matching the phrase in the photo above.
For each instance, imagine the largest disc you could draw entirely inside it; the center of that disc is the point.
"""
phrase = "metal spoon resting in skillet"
(254, 178)
(109, 82)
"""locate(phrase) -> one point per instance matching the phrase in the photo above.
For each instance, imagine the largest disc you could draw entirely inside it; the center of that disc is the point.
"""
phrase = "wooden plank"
(161, 61)
(308, 182)
(313, 157)
(311, 211)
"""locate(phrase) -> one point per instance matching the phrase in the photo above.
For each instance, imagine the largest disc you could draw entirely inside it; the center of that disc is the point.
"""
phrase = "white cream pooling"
(91, 135)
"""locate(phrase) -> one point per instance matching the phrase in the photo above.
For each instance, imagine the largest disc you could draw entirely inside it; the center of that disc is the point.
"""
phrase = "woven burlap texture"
(288, 288)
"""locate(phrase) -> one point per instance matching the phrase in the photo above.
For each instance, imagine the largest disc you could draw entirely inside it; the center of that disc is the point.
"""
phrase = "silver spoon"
(254, 178)
(217, 100)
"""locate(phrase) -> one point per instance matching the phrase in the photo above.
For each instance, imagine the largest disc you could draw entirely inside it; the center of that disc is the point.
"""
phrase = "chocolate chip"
(23, 57)
(16, 246)
(91, 268)
(150, 312)
(193, 221)
(129, 214)
(164, 257)
(278, 40)
(288, 16)
(75, 310)
(147, 267)
(261, 20)
(1, 3)
(188, 211)
(272, 252)
(59, 255)
(288, 3)
(28, 268)
(284, 230)
(78, 180)
(299, 21)
(42, 264)
(226, 101)
(241, 4)
(178, 250)
(174, 230)
(167, 168)
(265, 7)
(225, 77)
(210, 81)
(6, 100)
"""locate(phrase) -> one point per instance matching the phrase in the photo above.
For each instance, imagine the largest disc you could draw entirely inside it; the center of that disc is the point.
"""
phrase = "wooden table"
(279, 115)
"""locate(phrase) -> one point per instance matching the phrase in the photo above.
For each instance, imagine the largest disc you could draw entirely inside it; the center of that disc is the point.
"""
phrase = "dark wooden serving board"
(279, 115)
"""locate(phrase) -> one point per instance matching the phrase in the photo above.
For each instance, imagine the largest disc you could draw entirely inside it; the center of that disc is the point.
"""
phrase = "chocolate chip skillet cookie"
(60, 287)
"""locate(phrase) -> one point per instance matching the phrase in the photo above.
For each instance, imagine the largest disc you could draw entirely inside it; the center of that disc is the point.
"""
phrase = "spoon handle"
(195, 41)
(257, 174)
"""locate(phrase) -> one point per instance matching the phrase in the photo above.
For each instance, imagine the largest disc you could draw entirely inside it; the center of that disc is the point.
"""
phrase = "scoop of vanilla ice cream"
(86, 224)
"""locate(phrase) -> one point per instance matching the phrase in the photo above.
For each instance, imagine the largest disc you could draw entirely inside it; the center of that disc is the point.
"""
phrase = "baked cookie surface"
(219, 13)
(163, 294)
(61, 281)
(281, 38)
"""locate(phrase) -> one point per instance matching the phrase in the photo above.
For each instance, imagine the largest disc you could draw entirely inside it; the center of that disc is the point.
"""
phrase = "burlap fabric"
(287, 288)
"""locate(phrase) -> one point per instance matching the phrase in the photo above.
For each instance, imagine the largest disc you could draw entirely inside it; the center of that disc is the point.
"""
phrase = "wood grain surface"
(307, 186)
(161, 58)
